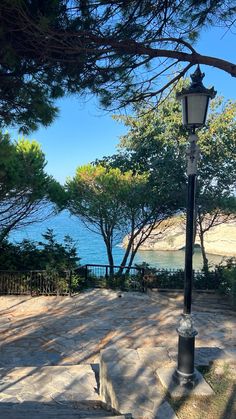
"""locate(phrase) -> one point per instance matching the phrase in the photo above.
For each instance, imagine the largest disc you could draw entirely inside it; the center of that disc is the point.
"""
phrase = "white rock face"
(221, 240)
(170, 235)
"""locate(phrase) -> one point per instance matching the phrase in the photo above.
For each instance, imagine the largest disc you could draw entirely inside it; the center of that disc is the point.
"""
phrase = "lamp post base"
(185, 375)
(199, 387)
(188, 381)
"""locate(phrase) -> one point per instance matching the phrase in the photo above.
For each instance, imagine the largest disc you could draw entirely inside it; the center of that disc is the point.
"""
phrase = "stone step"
(129, 384)
(51, 392)
(52, 413)
(57, 384)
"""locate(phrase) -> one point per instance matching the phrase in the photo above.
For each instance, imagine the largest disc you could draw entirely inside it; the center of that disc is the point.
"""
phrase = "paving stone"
(41, 331)
(202, 388)
(164, 411)
(130, 387)
(29, 410)
(153, 357)
(47, 383)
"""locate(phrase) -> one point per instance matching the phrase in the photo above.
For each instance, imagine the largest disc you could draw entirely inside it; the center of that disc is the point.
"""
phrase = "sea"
(91, 249)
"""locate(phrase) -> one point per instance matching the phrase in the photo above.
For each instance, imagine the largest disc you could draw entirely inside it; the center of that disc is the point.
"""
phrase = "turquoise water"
(92, 250)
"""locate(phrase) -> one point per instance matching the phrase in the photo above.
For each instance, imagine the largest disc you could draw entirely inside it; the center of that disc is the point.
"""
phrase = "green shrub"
(44, 255)
(174, 279)
(206, 280)
(226, 273)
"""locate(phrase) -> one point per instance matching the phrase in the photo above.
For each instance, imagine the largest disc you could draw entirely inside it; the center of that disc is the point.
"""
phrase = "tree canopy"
(154, 137)
(25, 188)
(121, 50)
(115, 203)
(217, 171)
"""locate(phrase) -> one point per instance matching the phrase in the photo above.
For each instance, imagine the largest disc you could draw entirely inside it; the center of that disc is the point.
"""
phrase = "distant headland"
(170, 235)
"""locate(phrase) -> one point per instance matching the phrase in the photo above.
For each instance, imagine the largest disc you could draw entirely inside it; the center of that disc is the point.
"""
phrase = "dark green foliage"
(174, 279)
(226, 273)
(46, 255)
(163, 278)
(55, 47)
(54, 266)
(122, 282)
(56, 255)
(206, 280)
(222, 279)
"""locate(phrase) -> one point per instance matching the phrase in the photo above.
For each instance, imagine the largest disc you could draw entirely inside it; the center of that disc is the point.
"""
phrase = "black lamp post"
(195, 100)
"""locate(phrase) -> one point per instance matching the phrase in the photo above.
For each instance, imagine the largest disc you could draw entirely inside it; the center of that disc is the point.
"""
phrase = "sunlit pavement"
(72, 330)
(50, 347)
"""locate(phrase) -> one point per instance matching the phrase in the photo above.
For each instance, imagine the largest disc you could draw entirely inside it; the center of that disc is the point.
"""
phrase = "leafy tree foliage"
(114, 203)
(25, 188)
(45, 255)
(154, 136)
(117, 49)
(217, 171)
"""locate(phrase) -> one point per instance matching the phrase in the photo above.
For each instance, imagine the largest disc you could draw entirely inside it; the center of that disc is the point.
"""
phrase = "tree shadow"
(230, 409)
(70, 331)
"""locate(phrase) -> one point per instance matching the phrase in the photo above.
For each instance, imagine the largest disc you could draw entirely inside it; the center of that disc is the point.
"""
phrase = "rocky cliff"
(170, 235)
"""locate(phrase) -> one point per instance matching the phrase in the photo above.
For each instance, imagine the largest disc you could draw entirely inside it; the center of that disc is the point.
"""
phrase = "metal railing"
(116, 277)
(35, 283)
(174, 279)
(100, 276)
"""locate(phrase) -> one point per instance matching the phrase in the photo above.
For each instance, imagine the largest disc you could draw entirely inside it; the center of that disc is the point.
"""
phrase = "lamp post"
(195, 101)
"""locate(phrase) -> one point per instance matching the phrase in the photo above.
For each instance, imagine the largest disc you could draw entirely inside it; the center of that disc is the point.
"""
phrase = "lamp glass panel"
(196, 109)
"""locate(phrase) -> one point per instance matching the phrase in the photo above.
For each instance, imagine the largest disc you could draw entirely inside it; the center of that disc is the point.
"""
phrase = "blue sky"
(83, 132)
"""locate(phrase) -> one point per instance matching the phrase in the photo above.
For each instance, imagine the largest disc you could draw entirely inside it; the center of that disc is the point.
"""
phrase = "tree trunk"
(108, 243)
(203, 250)
(132, 256)
(5, 232)
(126, 255)
(201, 236)
(110, 259)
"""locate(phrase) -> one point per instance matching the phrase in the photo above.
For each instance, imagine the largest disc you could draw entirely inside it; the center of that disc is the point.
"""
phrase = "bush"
(206, 280)
(44, 255)
(174, 279)
(126, 282)
(226, 273)
(165, 279)
(54, 261)
(162, 278)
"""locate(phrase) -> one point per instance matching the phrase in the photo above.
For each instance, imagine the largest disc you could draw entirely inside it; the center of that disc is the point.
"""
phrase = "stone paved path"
(68, 331)
(41, 332)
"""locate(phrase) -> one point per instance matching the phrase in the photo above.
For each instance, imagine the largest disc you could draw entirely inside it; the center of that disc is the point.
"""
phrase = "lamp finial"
(197, 77)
